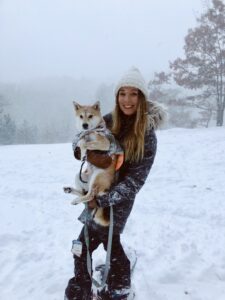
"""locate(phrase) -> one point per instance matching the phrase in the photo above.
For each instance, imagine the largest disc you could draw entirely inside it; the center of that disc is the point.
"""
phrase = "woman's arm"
(134, 178)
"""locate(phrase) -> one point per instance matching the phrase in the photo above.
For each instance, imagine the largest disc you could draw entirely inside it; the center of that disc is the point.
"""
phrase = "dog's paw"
(74, 202)
(67, 190)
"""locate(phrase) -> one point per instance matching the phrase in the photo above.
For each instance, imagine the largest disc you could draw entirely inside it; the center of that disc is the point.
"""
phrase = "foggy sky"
(91, 38)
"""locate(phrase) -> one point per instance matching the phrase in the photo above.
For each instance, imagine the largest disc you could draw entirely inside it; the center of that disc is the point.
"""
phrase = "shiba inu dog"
(95, 180)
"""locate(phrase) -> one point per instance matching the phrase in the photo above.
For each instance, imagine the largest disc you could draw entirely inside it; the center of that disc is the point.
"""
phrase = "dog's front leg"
(83, 148)
(98, 142)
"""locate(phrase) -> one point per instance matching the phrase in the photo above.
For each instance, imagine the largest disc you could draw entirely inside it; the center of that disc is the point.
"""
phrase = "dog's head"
(87, 116)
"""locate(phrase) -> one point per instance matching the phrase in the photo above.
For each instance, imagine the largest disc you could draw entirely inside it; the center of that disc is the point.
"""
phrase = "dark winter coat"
(132, 175)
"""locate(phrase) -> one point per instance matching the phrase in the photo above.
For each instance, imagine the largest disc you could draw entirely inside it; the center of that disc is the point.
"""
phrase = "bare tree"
(204, 64)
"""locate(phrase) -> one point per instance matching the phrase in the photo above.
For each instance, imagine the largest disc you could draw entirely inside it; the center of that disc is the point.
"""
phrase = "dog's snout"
(85, 126)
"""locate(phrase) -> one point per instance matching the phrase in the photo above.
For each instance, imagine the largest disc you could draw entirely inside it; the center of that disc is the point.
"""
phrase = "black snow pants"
(118, 282)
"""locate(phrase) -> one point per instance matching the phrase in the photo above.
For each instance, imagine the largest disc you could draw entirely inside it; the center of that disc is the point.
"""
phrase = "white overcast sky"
(91, 38)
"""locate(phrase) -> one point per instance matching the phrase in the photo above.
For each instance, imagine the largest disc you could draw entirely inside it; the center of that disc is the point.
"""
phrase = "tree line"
(26, 119)
(12, 132)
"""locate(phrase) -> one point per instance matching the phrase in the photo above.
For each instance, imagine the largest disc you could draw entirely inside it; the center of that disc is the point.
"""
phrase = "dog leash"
(82, 164)
(108, 254)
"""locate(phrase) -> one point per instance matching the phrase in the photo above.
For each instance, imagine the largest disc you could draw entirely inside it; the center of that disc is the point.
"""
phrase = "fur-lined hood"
(156, 115)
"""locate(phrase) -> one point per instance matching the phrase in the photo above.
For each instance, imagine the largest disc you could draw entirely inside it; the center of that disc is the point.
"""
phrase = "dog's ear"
(96, 106)
(76, 105)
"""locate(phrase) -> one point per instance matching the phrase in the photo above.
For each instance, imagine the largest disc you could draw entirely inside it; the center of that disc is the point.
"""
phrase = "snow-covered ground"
(177, 225)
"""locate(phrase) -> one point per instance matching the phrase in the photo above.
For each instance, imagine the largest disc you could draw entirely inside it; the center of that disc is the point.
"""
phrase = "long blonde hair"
(134, 141)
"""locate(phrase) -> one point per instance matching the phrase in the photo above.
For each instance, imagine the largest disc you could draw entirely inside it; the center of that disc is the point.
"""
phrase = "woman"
(132, 122)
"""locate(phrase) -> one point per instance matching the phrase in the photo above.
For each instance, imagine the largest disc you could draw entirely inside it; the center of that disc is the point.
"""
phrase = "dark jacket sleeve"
(134, 176)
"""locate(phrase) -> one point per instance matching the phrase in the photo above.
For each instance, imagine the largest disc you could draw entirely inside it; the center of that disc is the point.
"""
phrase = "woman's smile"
(128, 100)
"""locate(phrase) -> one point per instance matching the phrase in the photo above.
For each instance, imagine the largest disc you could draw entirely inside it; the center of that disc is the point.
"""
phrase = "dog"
(95, 180)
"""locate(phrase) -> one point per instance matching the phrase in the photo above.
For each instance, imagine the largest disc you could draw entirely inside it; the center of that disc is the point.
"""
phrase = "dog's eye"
(90, 117)
(81, 116)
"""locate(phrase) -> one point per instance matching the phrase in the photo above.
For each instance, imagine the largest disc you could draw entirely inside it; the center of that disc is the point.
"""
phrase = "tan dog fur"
(98, 180)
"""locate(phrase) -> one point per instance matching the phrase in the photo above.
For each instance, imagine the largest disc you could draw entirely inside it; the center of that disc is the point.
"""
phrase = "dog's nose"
(85, 126)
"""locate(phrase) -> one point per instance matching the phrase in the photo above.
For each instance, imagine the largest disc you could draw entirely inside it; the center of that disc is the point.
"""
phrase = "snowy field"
(177, 224)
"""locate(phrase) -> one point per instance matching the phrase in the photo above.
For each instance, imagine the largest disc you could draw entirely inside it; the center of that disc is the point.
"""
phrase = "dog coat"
(99, 158)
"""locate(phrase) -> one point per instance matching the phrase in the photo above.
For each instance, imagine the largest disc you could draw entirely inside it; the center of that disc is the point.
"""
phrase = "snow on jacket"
(132, 175)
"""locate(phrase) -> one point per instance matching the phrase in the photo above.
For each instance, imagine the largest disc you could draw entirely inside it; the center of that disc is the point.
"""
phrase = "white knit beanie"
(133, 78)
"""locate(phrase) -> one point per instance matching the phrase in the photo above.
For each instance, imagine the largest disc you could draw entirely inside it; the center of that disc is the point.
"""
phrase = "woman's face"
(128, 100)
